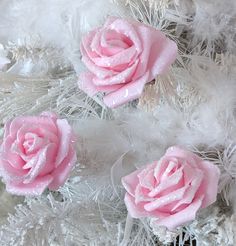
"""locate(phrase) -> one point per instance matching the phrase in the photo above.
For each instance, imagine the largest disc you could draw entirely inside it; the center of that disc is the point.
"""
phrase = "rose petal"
(146, 177)
(160, 60)
(159, 52)
(48, 134)
(131, 181)
(61, 173)
(100, 72)
(124, 27)
(124, 57)
(86, 84)
(183, 154)
(166, 199)
(145, 54)
(105, 40)
(13, 158)
(141, 195)
(138, 211)
(65, 136)
(32, 122)
(119, 78)
(18, 148)
(171, 168)
(162, 165)
(109, 21)
(135, 210)
(50, 115)
(126, 93)
(209, 185)
(8, 172)
(182, 217)
(172, 180)
(33, 143)
(211, 172)
(88, 44)
(42, 163)
(112, 43)
(32, 189)
(190, 193)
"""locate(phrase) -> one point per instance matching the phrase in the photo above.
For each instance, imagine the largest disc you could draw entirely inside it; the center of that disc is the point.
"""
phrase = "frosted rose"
(122, 56)
(36, 152)
(172, 189)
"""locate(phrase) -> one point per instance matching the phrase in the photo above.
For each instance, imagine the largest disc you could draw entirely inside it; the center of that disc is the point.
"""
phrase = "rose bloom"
(121, 57)
(36, 152)
(172, 189)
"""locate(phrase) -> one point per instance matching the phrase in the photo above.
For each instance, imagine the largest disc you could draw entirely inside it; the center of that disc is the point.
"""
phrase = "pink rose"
(172, 189)
(122, 56)
(36, 152)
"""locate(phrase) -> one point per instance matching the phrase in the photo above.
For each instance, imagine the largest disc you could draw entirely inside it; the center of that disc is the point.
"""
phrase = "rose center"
(28, 144)
(115, 39)
(32, 143)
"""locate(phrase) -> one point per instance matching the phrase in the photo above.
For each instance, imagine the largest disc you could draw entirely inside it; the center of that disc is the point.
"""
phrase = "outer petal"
(159, 63)
(65, 133)
(86, 84)
(32, 189)
(182, 217)
(7, 153)
(190, 193)
(126, 93)
(131, 181)
(86, 44)
(32, 122)
(209, 184)
(158, 53)
(61, 173)
(211, 173)
(110, 20)
(50, 115)
(8, 172)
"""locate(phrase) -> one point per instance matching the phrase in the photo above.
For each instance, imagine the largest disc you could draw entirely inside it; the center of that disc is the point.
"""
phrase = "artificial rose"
(122, 56)
(172, 189)
(36, 152)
